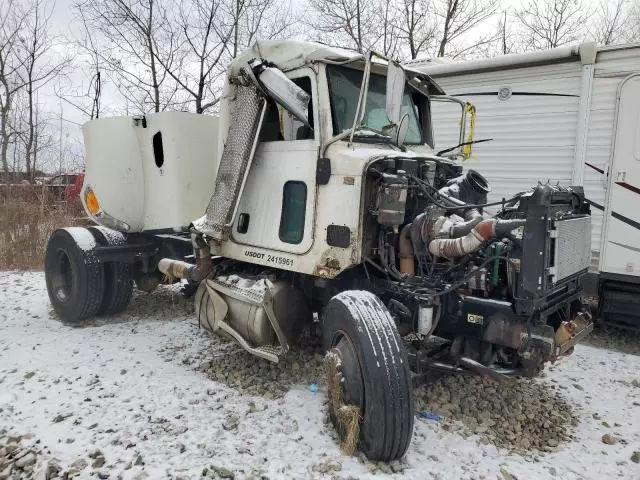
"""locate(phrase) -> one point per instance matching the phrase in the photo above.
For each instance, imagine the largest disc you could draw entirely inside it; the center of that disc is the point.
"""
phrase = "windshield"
(344, 87)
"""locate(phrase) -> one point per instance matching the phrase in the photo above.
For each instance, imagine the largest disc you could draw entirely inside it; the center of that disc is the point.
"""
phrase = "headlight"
(95, 210)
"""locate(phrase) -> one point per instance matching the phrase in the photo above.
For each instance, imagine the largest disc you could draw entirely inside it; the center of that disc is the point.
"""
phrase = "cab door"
(621, 238)
(277, 207)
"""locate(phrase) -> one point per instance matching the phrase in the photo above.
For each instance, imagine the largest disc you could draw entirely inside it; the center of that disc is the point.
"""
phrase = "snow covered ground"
(127, 386)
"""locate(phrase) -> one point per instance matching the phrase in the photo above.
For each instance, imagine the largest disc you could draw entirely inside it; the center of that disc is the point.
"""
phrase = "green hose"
(496, 264)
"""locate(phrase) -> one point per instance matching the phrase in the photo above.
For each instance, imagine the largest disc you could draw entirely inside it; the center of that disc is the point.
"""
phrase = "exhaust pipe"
(178, 269)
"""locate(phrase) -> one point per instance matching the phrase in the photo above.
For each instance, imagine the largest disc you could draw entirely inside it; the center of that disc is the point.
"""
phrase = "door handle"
(621, 176)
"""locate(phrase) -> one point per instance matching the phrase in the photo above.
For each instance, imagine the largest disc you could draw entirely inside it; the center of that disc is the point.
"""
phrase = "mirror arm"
(362, 98)
(463, 115)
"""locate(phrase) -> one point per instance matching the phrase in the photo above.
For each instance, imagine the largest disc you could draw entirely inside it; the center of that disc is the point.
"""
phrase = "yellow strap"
(471, 111)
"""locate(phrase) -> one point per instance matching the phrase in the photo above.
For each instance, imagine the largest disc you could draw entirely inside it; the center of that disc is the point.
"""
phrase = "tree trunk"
(452, 7)
(504, 35)
(34, 161)
(154, 70)
(156, 86)
(29, 144)
(5, 135)
(359, 26)
(236, 22)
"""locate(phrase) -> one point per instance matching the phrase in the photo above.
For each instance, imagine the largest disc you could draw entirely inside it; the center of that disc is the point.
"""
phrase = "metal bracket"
(323, 171)
(272, 354)
(265, 301)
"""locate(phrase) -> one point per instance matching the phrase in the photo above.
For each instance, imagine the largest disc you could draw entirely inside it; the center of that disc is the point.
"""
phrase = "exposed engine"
(503, 288)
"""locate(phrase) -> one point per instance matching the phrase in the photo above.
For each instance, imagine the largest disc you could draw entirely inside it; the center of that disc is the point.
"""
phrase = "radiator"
(572, 252)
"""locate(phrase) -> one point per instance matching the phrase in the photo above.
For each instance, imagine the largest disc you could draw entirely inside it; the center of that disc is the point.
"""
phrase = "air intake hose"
(470, 188)
(483, 231)
(457, 247)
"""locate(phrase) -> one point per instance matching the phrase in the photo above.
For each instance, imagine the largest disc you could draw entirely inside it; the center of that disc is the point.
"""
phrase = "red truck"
(66, 186)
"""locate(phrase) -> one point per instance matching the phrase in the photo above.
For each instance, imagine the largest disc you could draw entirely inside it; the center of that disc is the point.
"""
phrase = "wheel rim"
(352, 381)
(62, 279)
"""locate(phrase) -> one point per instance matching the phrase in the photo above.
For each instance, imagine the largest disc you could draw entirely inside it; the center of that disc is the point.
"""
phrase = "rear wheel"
(74, 277)
(365, 352)
(118, 276)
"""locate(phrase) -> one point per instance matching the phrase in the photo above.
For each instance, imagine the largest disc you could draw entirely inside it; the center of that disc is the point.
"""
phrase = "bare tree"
(39, 68)
(390, 41)
(131, 32)
(12, 20)
(458, 19)
(353, 24)
(86, 98)
(506, 35)
(552, 23)
(203, 43)
(262, 19)
(417, 26)
(634, 15)
(611, 22)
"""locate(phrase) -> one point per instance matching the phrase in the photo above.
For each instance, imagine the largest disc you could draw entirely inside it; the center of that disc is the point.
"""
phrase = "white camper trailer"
(568, 115)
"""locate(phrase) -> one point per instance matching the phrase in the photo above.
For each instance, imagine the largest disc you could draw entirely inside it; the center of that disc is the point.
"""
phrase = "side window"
(279, 124)
(294, 205)
(59, 180)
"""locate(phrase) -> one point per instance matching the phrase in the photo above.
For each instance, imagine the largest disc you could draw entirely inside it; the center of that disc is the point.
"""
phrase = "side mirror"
(285, 92)
(395, 92)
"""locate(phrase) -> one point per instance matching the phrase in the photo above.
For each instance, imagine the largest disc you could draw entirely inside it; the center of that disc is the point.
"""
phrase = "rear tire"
(118, 276)
(359, 330)
(74, 277)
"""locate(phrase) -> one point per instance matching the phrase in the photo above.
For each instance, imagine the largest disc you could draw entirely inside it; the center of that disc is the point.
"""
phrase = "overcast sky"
(63, 24)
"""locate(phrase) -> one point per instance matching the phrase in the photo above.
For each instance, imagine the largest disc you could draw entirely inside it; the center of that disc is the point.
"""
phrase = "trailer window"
(280, 125)
(294, 206)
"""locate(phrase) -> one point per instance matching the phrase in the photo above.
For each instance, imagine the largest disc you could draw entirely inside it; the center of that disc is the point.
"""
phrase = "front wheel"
(365, 353)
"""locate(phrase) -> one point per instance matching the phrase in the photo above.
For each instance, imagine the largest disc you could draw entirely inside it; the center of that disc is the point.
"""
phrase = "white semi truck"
(318, 190)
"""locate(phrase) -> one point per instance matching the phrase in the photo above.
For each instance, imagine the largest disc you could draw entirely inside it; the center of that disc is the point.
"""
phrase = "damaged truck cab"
(316, 201)
(300, 208)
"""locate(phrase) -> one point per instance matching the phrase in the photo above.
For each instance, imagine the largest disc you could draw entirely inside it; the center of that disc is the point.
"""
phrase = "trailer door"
(621, 239)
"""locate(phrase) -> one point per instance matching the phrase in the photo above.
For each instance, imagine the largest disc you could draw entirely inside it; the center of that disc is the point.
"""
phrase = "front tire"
(359, 332)
(74, 277)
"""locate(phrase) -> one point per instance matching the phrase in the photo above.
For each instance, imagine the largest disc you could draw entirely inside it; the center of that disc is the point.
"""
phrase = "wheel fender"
(85, 241)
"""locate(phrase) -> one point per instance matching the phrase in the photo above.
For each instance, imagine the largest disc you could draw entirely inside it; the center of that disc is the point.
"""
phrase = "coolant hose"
(483, 231)
(504, 227)
(407, 264)
(473, 217)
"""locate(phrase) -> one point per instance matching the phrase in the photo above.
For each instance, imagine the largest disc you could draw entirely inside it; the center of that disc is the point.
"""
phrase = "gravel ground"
(507, 417)
(615, 339)
(148, 394)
